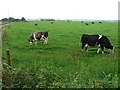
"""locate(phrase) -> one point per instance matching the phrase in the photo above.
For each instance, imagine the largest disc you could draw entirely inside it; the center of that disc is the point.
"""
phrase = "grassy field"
(60, 63)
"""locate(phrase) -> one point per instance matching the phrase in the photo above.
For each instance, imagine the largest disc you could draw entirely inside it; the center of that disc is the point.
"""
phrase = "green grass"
(60, 63)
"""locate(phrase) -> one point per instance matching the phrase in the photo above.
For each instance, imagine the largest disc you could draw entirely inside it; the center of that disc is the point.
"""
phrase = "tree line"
(11, 19)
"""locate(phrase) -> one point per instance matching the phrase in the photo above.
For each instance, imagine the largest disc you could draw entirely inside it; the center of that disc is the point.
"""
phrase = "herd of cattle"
(91, 22)
(99, 41)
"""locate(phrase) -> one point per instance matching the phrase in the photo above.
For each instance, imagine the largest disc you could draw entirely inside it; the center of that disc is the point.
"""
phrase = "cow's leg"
(46, 40)
(111, 50)
(30, 43)
(86, 47)
(99, 48)
(35, 42)
(102, 48)
(34, 37)
(83, 46)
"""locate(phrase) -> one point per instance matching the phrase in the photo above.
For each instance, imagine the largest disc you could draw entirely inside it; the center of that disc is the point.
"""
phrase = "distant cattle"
(34, 37)
(100, 41)
(81, 21)
(51, 22)
(36, 24)
(92, 22)
(68, 21)
(86, 24)
(100, 22)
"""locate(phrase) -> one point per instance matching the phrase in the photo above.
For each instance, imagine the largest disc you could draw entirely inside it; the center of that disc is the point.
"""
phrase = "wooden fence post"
(8, 57)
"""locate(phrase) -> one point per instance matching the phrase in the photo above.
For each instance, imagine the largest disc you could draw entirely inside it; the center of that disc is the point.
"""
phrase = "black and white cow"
(34, 37)
(100, 41)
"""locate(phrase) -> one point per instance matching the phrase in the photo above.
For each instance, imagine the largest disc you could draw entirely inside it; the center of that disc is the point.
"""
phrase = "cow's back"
(91, 40)
(38, 35)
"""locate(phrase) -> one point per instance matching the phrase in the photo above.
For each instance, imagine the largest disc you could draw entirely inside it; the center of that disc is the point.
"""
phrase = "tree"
(23, 19)
(11, 19)
(4, 20)
(17, 20)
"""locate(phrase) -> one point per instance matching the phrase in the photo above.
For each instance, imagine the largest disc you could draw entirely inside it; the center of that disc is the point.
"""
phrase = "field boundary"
(1, 37)
(2, 29)
(0, 55)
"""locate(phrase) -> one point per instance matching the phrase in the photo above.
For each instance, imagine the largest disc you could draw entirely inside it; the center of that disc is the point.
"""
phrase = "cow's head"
(112, 49)
(30, 41)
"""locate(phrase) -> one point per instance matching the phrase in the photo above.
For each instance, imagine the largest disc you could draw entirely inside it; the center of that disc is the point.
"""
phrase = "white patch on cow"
(99, 45)
(34, 36)
(86, 45)
(42, 37)
(100, 36)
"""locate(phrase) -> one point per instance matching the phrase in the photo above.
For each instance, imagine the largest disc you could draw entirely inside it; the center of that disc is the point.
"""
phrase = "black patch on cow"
(89, 39)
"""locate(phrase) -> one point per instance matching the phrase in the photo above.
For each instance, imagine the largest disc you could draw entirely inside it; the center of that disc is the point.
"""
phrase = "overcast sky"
(60, 9)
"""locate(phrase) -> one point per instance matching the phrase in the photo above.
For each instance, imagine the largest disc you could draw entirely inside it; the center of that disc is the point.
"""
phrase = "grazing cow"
(81, 21)
(38, 36)
(100, 22)
(51, 22)
(86, 24)
(92, 22)
(96, 40)
(68, 21)
(36, 24)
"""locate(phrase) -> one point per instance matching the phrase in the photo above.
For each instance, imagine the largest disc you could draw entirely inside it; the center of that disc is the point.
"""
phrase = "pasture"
(60, 63)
